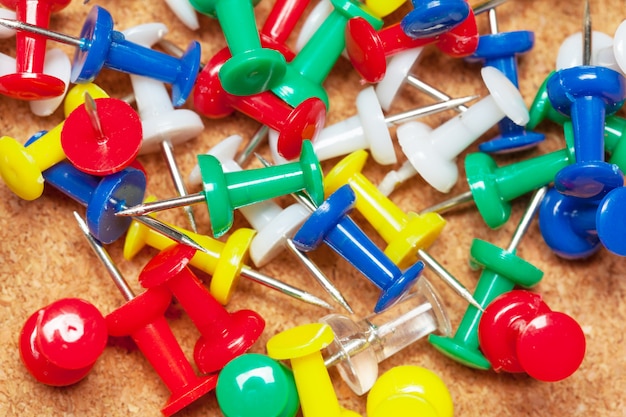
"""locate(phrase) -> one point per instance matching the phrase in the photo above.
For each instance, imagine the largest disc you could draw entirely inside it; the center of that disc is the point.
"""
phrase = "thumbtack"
(30, 82)
(21, 166)
(60, 343)
(224, 192)
(500, 50)
(257, 385)
(302, 346)
(274, 225)
(369, 49)
(432, 153)
(502, 270)
(358, 347)
(330, 223)
(518, 332)
(100, 46)
(368, 129)
(407, 234)
(588, 94)
(409, 390)
(295, 124)
(224, 335)
(224, 261)
(163, 126)
(101, 137)
(251, 69)
(576, 228)
(142, 318)
(492, 188)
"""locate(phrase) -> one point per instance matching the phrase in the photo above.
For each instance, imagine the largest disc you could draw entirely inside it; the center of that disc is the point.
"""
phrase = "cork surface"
(44, 257)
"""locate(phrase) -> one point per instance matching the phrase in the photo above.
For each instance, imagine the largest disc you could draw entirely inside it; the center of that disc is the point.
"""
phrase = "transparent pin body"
(358, 347)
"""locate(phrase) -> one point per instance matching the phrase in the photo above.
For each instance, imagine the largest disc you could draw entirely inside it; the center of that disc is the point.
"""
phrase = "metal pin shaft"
(283, 287)
(169, 231)
(168, 153)
(587, 35)
(106, 260)
(259, 137)
(170, 203)
(527, 218)
(446, 205)
(447, 104)
(94, 117)
(319, 276)
(432, 92)
(448, 278)
(55, 36)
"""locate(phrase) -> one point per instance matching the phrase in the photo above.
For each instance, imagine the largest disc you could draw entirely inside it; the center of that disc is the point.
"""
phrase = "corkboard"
(43, 257)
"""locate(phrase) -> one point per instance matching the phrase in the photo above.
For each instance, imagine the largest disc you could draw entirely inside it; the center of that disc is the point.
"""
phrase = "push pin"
(102, 137)
(310, 67)
(256, 385)
(30, 82)
(224, 335)
(295, 124)
(368, 129)
(408, 235)
(409, 390)
(224, 192)
(502, 270)
(330, 223)
(224, 261)
(588, 94)
(162, 125)
(274, 226)
(302, 346)
(492, 188)
(102, 196)
(142, 318)
(358, 347)
(60, 343)
(429, 19)
(518, 332)
(500, 50)
(433, 153)
(369, 49)
(576, 228)
(251, 69)
(21, 166)
(100, 46)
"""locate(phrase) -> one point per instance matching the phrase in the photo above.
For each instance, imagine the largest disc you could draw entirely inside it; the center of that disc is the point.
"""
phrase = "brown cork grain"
(44, 257)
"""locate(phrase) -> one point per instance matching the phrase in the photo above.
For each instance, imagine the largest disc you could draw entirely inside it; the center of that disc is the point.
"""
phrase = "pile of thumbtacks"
(94, 157)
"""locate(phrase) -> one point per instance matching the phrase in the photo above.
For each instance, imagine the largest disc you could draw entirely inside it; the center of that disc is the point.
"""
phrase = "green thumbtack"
(225, 192)
(502, 270)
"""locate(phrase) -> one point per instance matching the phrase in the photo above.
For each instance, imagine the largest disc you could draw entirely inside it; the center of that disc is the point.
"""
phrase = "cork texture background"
(44, 257)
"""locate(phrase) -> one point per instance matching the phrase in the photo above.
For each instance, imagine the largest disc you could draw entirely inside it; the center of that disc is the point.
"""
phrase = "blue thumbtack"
(432, 18)
(576, 228)
(587, 94)
(500, 50)
(330, 223)
(100, 46)
(103, 196)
